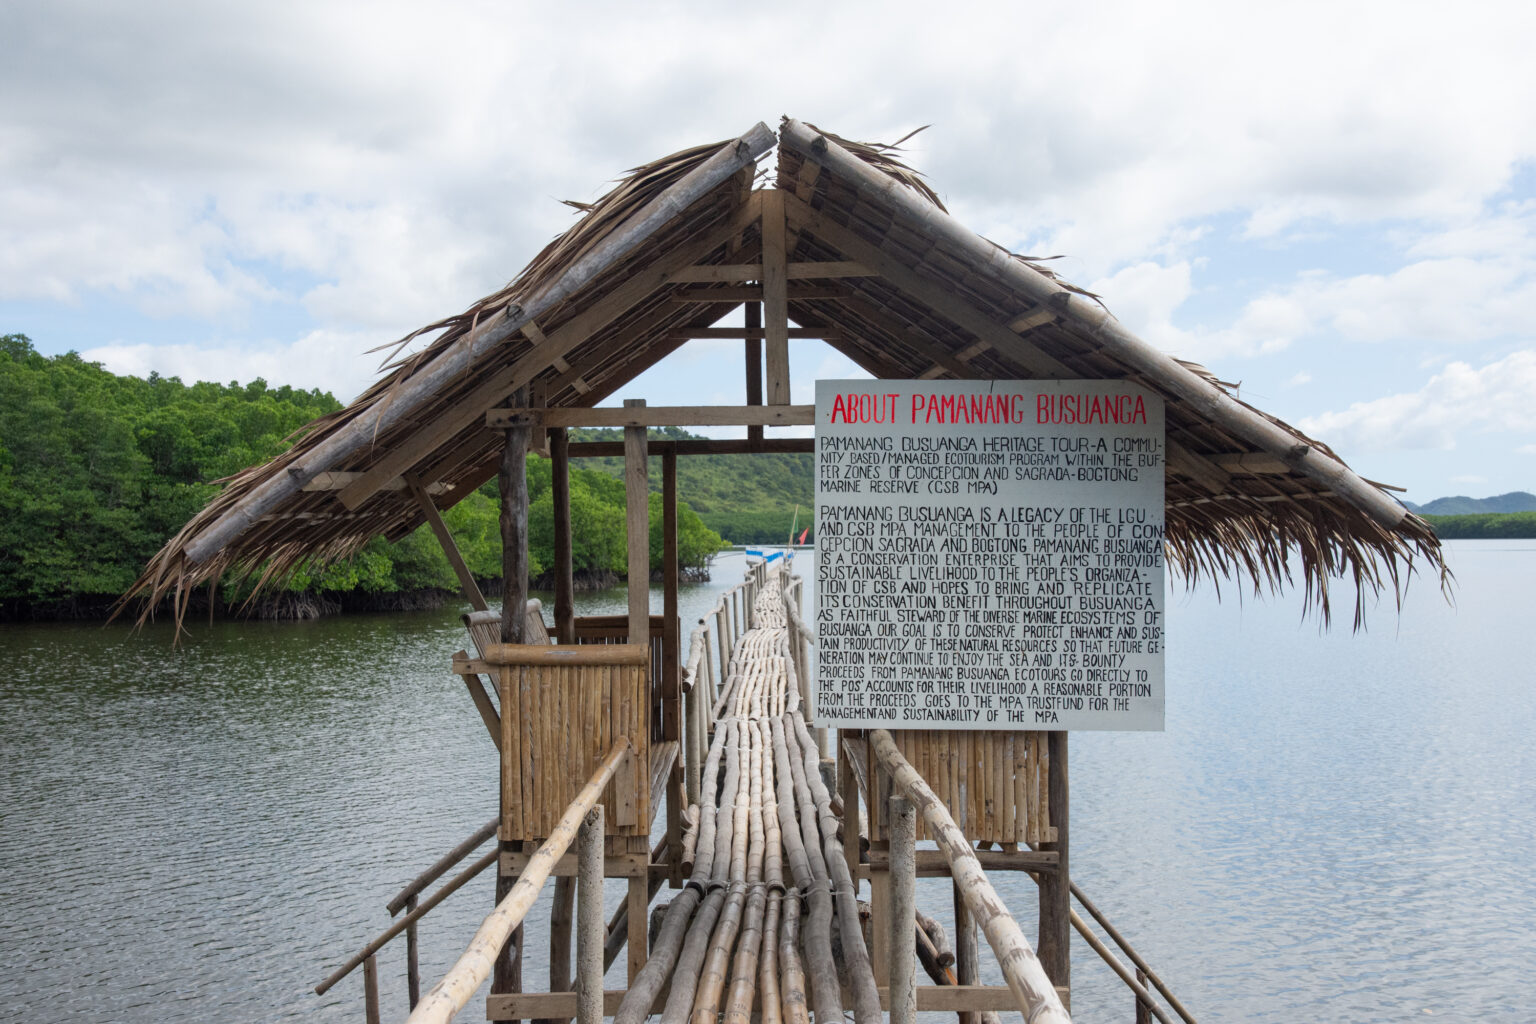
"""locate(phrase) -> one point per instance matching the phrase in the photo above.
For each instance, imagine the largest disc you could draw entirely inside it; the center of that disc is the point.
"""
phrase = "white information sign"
(989, 555)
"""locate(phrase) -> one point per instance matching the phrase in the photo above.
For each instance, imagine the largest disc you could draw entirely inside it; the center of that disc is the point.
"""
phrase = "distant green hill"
(747, 499)
(1505, 525)
(1460, 505)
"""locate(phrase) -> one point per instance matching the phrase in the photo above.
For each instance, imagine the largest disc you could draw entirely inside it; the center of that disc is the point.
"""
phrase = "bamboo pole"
(457, 361)
(589, 945)
(448, 889)
(903, 911)
(792, 998)
(1131, 954)
(1143, 997)
(450, 995)
(1031, 987)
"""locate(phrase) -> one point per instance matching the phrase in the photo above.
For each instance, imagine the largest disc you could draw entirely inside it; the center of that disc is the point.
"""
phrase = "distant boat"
(788, 554)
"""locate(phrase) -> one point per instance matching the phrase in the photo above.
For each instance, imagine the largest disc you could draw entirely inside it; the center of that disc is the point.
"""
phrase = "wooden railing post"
(903, 911)
(371, 990)
(966, 951)
(589, 916)
(412, 962)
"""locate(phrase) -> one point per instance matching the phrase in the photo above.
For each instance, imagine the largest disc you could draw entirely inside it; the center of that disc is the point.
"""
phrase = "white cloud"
(1458, 401)
(1298, 379)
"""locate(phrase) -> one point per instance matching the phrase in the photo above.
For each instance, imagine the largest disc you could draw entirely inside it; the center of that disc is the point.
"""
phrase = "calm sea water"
(1334, 826)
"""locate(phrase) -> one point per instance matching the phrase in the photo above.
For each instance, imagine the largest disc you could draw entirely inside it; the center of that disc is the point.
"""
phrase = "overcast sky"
(1333, 204)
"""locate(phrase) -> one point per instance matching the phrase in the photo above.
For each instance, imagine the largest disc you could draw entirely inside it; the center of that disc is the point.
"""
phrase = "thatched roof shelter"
(902, 289)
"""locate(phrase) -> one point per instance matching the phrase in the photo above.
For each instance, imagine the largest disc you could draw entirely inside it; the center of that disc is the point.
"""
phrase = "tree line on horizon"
(97, 470)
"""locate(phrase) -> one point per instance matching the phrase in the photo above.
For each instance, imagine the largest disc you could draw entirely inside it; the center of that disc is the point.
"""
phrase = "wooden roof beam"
(754, 293)
(656, 416)
(735, 273)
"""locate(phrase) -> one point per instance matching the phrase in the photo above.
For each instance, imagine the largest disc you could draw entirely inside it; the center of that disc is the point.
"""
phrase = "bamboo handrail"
(448, 889)
(453, 992)
(446, 861)
(1130, 952)
(1097, 945)
(1031, 987)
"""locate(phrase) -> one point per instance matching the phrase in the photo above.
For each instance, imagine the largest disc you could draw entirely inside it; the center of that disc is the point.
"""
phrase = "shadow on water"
(1333, 825)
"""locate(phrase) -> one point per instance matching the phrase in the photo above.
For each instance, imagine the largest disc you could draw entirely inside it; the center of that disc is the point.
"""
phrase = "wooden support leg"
(903, 911)
(1056, 886)
(560, 940)
(880, 914)
(589, 933)
(639, 925)
(848, 786)
(966, 952)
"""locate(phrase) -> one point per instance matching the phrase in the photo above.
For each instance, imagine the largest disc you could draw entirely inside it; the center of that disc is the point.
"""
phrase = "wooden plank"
(782, 415)
(557, 1005)
(750, 332)
(931, 863)
(565, 654)
(616, 865)
(777, 445)
(797, 271)
(738, 293)
(775, 291)
(445, 540)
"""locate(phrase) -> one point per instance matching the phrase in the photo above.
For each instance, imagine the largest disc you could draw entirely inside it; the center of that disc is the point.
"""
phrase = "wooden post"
(753, 312)
(560, 483)
(590, 929)
(775, 298)
(637, 529)
(560, 939)
(513, 480)
(412, 960)
(1056, 886)
(966, 951)
(371, 990)
(671, 695)
(1143, 1009)
(903, 911)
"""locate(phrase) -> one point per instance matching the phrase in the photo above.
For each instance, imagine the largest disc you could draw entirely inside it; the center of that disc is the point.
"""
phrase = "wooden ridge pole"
(404, 400)
(450, 995)
(1032, 988)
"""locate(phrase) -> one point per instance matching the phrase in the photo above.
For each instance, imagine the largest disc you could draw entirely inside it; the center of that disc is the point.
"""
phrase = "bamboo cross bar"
(450, 995)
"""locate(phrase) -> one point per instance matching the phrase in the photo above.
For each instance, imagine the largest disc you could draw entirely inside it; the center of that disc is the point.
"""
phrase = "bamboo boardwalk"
(762, 841)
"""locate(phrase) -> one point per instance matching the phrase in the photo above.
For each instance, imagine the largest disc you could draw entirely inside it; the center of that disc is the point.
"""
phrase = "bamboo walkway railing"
(767, 924)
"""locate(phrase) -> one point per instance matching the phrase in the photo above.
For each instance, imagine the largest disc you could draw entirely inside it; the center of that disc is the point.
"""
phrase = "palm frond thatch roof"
(1248, 497)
